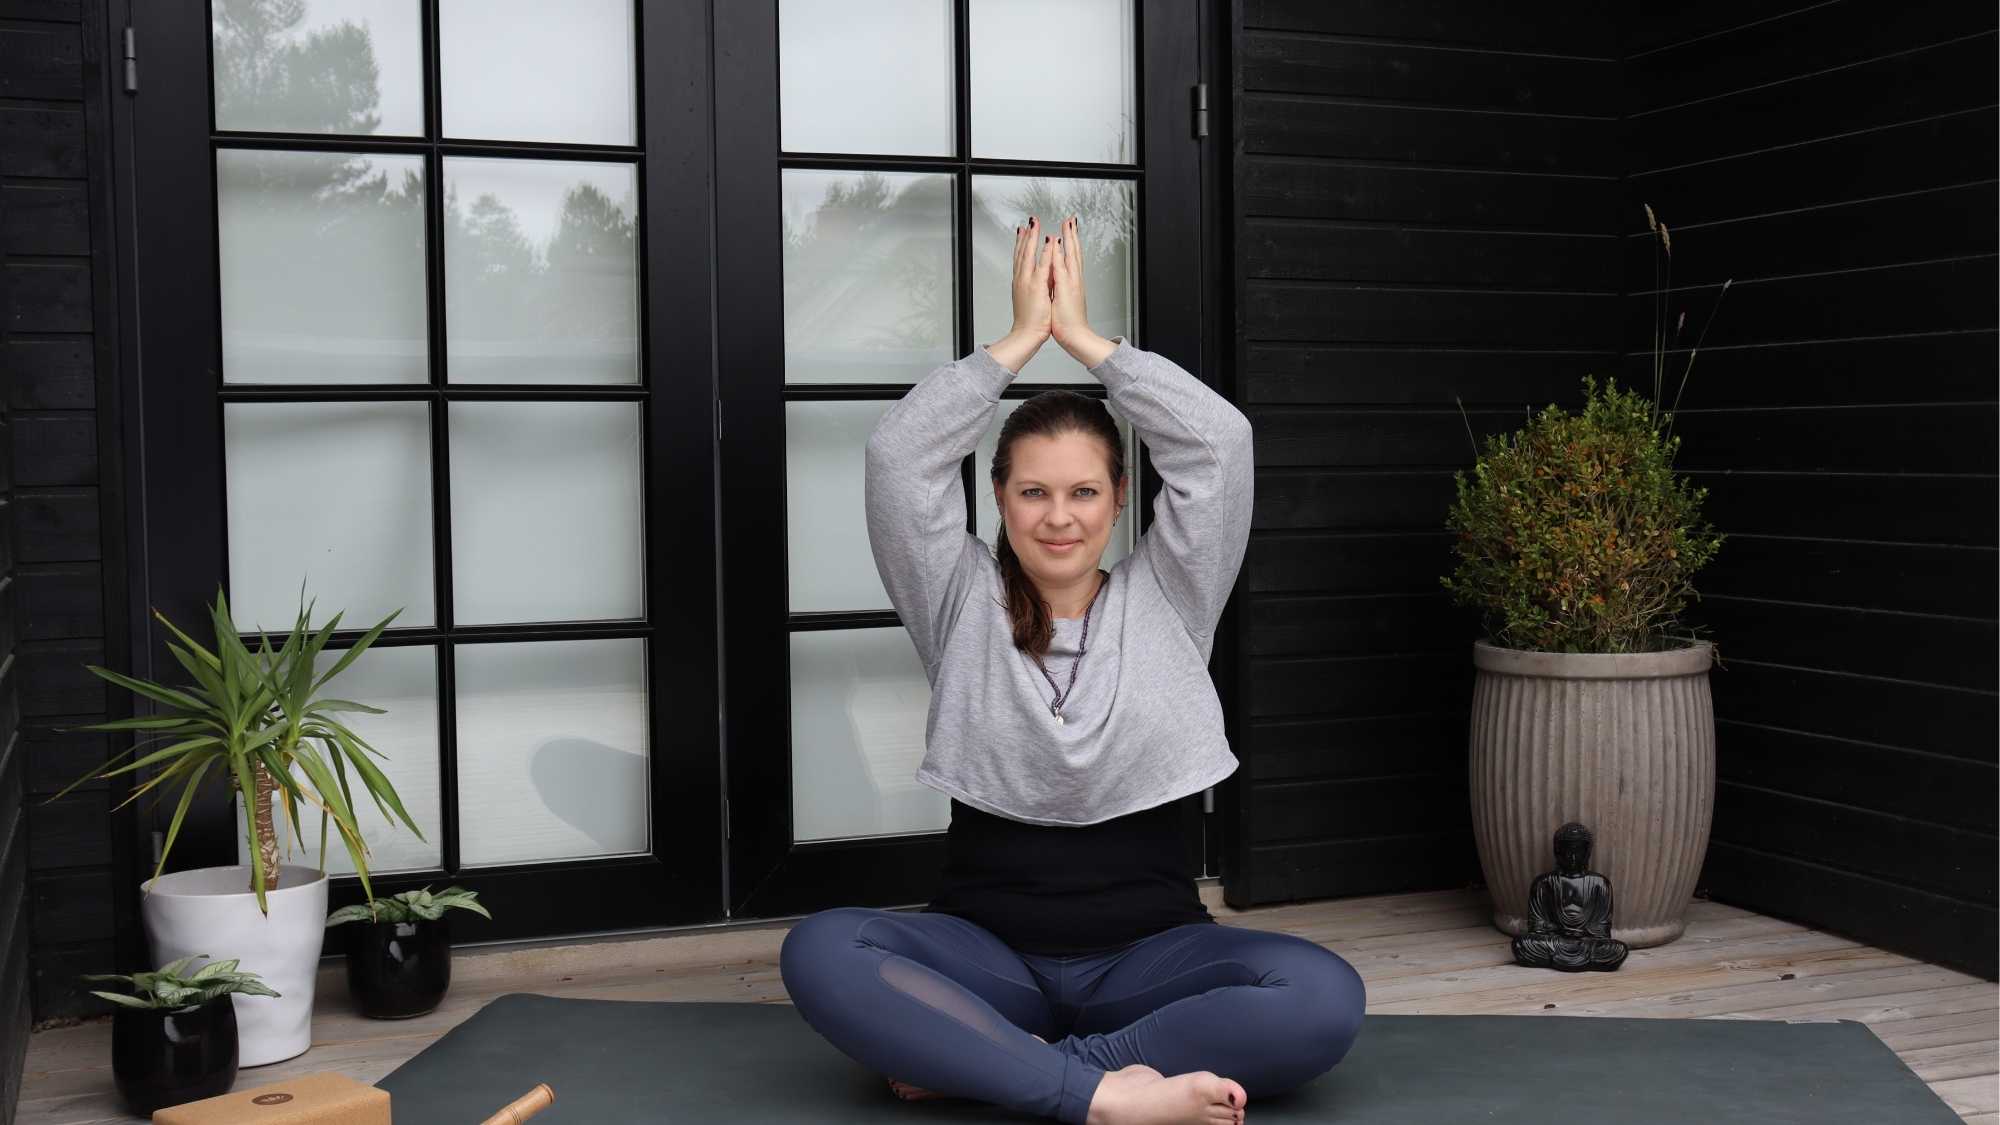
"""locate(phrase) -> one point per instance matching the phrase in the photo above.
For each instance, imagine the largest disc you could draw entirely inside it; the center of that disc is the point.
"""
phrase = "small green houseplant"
(172, 988)
(1575, 533)
(410, 906)
(256, 722)
(1578, 541)
(251, 719)
(173, 1032)
(399, 950)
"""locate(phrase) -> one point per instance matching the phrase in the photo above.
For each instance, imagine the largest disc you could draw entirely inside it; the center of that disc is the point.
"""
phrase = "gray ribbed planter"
(1625, 743)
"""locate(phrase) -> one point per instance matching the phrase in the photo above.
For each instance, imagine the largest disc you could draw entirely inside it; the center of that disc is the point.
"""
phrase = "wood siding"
(60, 871)
(1438, 224)
(1837, 162)
(14, 956)
(1425, 214)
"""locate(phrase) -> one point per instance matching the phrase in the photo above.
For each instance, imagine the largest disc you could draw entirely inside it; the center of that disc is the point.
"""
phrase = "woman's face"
(1059, 491)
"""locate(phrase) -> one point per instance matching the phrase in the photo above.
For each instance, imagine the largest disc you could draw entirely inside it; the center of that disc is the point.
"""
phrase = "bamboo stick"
(525, 1106)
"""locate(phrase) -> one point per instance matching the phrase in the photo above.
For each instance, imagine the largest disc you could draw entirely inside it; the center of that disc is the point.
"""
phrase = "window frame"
(177, 487)
(769, 874)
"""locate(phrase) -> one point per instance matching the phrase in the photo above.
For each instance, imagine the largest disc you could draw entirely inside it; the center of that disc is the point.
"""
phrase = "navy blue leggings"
(941, 1003)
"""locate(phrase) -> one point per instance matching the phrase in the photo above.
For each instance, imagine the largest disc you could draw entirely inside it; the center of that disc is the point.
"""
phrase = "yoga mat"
(613, 1061)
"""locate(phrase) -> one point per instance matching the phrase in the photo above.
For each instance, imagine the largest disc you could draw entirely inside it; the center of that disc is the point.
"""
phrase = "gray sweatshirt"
(1142, 725)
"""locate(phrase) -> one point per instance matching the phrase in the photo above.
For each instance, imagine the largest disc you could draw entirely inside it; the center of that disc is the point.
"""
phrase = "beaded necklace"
(1082, 646)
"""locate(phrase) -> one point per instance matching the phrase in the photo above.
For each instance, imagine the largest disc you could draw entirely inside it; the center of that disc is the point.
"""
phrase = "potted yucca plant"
(256, 723)
(1577, 540)
(399, 950)
(173, 1032)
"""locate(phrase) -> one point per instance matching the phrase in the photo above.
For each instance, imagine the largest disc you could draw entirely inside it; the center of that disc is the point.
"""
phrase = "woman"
(1067, 967)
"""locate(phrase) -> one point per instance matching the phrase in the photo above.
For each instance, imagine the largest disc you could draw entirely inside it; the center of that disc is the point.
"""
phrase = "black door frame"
(174, 425)
(705, 137)
(769, 875)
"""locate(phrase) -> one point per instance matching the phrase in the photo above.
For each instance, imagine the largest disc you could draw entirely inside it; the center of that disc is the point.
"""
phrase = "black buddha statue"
(1569, 912)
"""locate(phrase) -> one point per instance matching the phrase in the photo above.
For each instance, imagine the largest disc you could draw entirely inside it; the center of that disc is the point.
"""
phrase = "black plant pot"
(161, 1058)
(396, 970)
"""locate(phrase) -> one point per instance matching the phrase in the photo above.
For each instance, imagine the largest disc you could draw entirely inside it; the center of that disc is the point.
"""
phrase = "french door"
(423, 325)
(560, 328)
(872, 161)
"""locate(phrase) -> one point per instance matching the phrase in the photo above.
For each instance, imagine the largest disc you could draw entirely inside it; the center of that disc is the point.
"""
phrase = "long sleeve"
(915, 500)
(1202, 449)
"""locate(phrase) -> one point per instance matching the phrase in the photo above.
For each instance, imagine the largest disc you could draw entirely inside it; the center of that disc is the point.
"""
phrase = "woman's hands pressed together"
(1068, 321)
(1049, 299)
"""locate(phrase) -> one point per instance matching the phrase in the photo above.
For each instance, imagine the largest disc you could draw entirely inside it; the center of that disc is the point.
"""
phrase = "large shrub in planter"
(1575, 534)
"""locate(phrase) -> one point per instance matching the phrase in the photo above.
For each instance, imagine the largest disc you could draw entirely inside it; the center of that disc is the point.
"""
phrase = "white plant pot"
(211, 912)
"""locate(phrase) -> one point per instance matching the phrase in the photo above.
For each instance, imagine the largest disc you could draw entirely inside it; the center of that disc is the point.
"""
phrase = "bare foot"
(911, 1093)
(1140, 1095)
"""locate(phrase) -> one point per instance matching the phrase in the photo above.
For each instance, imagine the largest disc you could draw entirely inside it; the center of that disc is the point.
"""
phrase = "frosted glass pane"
(529, 70)
(541, 267)
(403, 682)
(1054, 80)
(551, 750)
(337, 494)
(1107, 222)
(545, 515)
(866, 78)
(859, 701)
(987, 509)
(319, 66)
(869, 288)
(322, 260)
(827, 549)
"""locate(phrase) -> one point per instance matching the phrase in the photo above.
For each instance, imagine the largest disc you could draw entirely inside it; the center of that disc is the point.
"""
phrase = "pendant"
(1056, 710)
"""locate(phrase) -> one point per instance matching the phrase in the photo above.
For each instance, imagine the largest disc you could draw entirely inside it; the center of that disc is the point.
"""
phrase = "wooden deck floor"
(1419, 953)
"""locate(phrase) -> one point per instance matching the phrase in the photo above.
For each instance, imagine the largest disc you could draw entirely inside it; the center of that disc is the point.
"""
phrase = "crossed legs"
(942, 1004)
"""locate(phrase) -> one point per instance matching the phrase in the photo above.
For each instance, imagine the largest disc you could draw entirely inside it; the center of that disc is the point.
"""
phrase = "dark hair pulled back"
(1049, 414)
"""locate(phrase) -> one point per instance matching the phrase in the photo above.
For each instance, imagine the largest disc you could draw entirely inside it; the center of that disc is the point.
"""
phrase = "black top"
(1061, 890)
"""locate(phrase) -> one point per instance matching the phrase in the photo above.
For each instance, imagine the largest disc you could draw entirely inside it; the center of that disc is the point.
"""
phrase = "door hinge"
(1208, 799)
(131, 62)
(725, 819)
(718, 419)
(1201, 109)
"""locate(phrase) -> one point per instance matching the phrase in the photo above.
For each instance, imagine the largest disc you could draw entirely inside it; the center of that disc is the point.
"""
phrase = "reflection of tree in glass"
(1117, 152)
(1105, 213)
(490, 267)
(927, 321)
(322, 266)
(594, 254)
(870, 269)
(325, 82)
(542, 313)
(1106, 210)
(322, 252)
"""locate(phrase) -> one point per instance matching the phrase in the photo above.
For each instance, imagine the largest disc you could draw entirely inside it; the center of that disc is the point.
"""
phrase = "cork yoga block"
(325, 1098)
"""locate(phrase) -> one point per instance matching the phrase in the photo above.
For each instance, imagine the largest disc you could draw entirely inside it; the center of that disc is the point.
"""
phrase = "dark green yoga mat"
(614, 1061)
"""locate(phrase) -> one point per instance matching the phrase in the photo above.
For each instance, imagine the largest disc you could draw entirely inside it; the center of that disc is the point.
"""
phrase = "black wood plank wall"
(1838, 162)
(1425, 208)
(1441, 203)
(61, 360)
(14, 1009)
